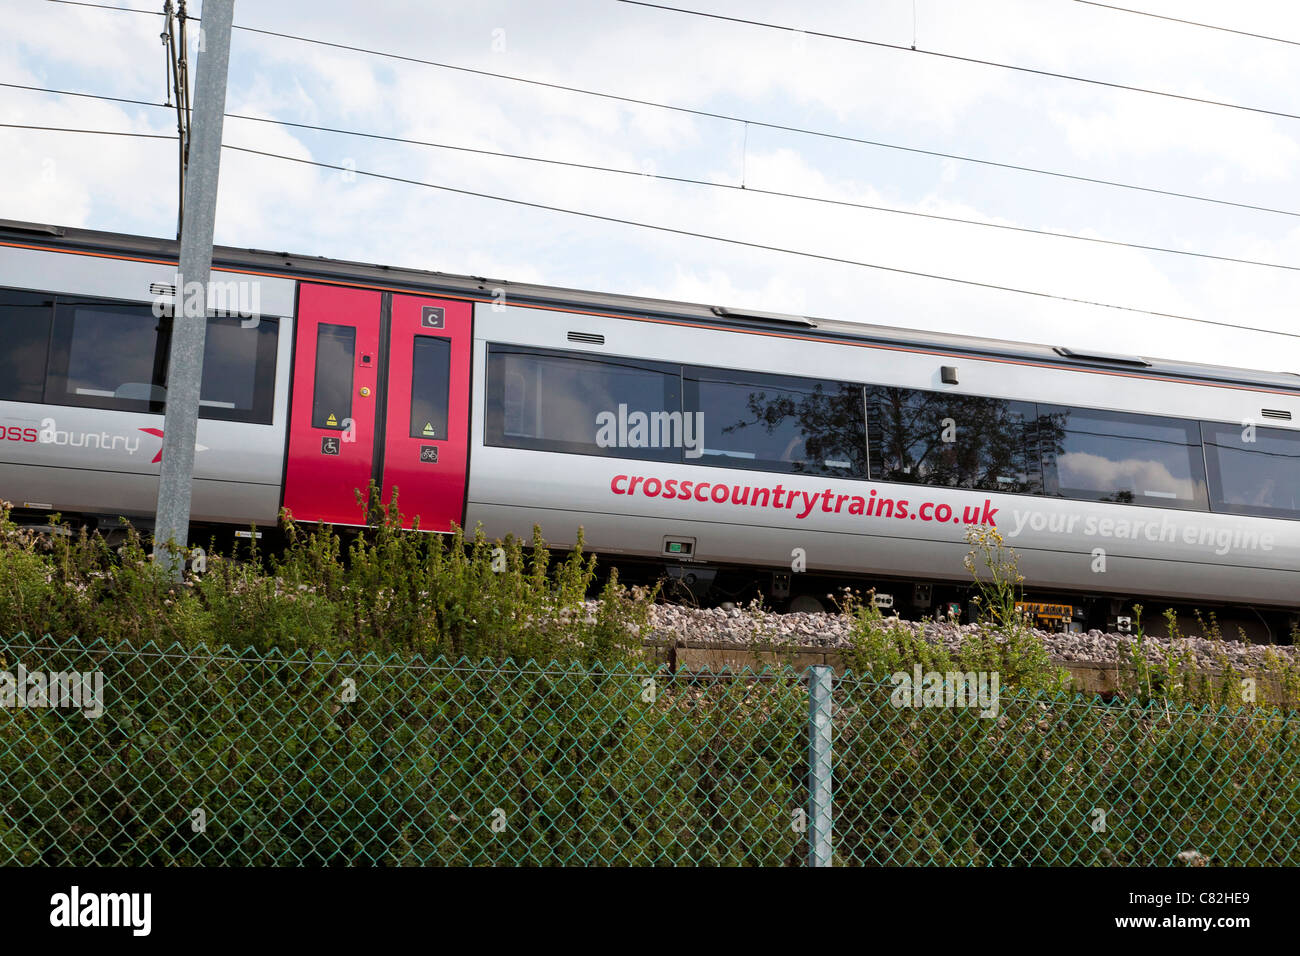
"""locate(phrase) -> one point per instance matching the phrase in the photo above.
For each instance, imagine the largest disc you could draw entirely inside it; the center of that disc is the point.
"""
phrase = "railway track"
(737, 627)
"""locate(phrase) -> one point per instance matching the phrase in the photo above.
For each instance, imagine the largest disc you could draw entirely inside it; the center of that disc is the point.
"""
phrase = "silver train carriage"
(724, 447)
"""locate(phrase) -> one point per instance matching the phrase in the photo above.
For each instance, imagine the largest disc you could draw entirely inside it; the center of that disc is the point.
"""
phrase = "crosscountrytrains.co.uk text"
(801, 503)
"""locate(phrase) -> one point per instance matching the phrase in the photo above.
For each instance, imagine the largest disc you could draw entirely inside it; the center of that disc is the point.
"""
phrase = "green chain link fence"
(211, 758)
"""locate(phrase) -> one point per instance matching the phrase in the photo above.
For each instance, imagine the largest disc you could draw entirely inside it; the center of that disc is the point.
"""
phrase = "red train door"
(426, 424)
(380, 392)
(334, 403)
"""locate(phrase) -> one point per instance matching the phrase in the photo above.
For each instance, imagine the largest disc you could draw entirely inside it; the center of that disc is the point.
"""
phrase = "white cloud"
(726, 68)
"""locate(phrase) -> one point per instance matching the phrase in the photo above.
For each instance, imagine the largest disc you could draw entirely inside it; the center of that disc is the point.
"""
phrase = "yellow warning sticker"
(428, 428)
(331, 420)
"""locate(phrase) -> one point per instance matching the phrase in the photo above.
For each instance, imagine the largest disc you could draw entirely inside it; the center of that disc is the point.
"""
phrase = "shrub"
(389, 590)
(1002, 642)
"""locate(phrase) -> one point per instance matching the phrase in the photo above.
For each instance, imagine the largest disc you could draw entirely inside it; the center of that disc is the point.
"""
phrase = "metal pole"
(178, 82)
(189, 322)
(819, 766)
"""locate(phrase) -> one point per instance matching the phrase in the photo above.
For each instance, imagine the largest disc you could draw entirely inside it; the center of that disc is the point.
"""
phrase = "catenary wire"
(803, 197)
(91, 132)
(781, 127)
(1190, 23)
(752, 245)
(685, 232)
(825, 200)
(881, 44)
(105, 6)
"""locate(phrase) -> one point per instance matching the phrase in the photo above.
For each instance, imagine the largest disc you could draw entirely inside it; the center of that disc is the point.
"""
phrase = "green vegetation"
(1055, 779)
(203, 758)
(420, 699)
(1176, 678)
(388, 591)
(1176, 762)
(1004, 642)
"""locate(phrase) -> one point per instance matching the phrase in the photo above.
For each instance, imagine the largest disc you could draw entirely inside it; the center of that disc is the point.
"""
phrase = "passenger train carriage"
(712, 443)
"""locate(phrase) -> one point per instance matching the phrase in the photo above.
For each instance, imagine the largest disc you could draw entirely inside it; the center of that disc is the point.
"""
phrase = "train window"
(430, 387)
(583, 404)
(777, 422)
(115, 356)
(25, 323)
(1253, 471)
(108, 355)
(336, 350)
(1116, 456)
(960, 441)
(239, 370)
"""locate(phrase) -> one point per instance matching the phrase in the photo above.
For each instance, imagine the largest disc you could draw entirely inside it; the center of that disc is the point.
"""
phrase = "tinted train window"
(1259, 476)
(336, 349)
(960, 441)
(25, 324)
(1114, 456)
(115, 356)
(777, 423)
(105, 355)
(430, 386)
(239, 370)
(583, 404)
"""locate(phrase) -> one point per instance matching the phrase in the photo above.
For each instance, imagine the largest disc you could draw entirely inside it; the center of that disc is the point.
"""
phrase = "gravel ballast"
(670, 623)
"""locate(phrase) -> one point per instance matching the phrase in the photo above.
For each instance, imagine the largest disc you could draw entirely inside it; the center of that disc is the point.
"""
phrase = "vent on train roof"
(776, 317)
(14, 225)
(591, 338)
(161, 288)
(1278, 413)
(1090, 356)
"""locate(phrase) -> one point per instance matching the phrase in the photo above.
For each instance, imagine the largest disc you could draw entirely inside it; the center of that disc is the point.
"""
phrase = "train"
(726, 450)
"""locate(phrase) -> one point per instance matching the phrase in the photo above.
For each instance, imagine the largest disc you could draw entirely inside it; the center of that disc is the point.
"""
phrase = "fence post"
(819, 766)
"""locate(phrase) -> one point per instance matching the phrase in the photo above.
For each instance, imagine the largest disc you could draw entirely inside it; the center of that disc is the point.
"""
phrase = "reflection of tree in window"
(991, 442)
(800, 425)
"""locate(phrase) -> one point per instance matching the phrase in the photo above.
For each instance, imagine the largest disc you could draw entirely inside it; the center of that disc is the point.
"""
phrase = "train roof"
(519, 293)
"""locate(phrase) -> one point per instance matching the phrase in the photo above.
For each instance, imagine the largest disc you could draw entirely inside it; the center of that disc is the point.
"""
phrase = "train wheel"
(807, 604)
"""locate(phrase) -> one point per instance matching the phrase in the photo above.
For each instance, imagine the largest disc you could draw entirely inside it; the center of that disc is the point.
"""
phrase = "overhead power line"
(106, 6)
(89, 96)
(1091, 3)
(93, 132)
(967, 59)
(802, 197)
(780, 127)
(1190, 23)
(685, 232)
(751, 245)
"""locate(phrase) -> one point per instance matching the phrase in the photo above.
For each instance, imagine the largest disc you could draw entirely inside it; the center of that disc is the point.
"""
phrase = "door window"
(336, 349)
(430, 387)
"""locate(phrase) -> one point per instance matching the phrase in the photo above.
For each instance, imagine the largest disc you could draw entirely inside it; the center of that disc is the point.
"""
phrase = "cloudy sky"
(773, 76)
